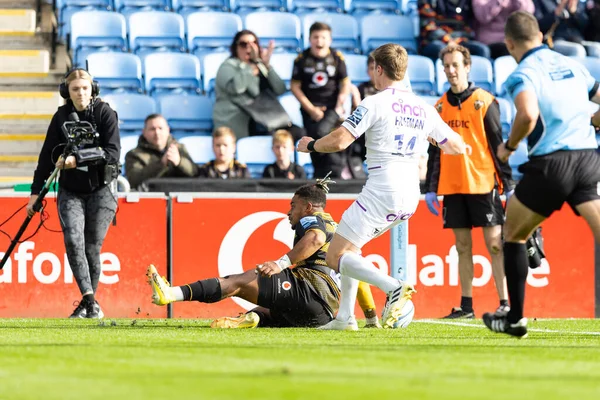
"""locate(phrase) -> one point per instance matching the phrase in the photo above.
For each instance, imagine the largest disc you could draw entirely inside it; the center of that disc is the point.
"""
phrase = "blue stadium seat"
(377, 30)
(128, 7)
(96, 31)
(592, 64)
(517, 158)
(132, 110)
(356, 66)
(373, 6)
(304, 160)
(431, 100)
(244, 6)
(256, 153)
(187, 114)
(503, 67)
(151, 31)
(481, 74)
(211, 31)
(128, 142)
(186, 7)
(116, 72)
(283, 64)
(199, 148)
(344, 30)
(304, 6)
(172, 73)
(422, 74)
(210, 65)
(283, 28)
(292, 107)
(66, 8)
(506, 115)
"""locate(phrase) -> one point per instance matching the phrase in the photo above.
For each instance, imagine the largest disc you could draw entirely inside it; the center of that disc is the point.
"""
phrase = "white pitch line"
(433, 321)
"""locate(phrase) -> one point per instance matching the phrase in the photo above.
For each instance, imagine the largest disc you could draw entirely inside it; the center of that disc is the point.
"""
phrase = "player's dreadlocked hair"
(316, 193)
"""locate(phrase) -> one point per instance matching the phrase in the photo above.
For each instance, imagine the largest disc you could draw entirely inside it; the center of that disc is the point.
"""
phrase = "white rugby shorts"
(374, 212)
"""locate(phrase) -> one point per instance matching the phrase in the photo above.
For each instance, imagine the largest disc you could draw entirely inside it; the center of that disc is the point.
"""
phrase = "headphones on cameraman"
(63, 88)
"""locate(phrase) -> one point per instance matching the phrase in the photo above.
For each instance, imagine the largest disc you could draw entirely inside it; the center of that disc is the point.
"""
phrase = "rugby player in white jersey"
(398, 126)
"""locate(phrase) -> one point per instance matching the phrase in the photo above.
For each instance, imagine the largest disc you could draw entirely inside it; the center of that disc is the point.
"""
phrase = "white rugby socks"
(355, 266)
(349, 288)
(177, 293)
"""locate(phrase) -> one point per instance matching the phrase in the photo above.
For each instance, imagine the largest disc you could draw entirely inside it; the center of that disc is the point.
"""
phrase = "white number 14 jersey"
(397, 124)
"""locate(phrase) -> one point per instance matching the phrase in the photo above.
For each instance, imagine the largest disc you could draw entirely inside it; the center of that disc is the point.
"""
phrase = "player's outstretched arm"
(337, 140)
(312, 241)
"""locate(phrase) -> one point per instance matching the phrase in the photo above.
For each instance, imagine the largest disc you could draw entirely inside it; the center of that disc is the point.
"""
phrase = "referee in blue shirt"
(551, 94)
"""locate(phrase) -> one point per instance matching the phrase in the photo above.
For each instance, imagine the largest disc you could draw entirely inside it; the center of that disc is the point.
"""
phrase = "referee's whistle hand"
(432, 203)
(303, 143)
(503, 153)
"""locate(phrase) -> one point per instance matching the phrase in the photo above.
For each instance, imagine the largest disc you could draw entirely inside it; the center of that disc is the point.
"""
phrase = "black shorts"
(291, 301)
(548, 181)
(472, 210)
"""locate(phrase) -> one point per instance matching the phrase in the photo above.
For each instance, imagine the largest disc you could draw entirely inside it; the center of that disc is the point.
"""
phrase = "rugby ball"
(408, 312)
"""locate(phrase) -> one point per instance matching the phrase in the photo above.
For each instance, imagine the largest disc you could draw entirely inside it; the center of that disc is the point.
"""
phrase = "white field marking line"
(432, 321)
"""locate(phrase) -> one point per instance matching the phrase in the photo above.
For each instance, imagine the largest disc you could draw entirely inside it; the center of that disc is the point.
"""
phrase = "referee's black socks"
(516, 267)
(205, 291)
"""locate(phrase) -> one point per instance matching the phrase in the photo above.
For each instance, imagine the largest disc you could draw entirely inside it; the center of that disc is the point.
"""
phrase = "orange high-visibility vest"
(473, 172)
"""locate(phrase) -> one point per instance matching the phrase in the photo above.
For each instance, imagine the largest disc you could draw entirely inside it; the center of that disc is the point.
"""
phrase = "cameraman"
(86, 205)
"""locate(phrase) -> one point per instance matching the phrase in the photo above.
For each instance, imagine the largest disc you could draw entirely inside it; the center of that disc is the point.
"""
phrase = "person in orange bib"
(471, 183)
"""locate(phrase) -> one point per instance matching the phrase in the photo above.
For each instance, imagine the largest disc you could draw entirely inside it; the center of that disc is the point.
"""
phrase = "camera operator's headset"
(63, 88)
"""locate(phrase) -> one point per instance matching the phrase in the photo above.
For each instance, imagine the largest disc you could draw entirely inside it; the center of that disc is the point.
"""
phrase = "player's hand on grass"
(268, 269)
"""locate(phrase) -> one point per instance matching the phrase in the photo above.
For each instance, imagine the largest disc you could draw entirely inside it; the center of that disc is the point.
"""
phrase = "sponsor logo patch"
(357, 116)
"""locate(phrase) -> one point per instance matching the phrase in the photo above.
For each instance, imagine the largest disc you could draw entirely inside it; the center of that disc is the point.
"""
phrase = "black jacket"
(493, 132)
(78, 180)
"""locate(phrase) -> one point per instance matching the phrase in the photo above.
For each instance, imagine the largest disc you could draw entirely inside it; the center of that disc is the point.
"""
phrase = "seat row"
(356, 7)
(161, 73)
(202, 32)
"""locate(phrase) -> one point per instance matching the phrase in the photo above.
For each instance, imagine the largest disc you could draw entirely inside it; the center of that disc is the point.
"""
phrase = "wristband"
(284, 262)
(311, 146)
(509, 147)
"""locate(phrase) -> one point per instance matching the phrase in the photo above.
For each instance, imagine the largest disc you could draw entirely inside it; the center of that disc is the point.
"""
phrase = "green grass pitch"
(177, 360)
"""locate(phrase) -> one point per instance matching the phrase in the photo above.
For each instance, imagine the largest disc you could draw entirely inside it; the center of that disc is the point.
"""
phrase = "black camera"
(82, 141)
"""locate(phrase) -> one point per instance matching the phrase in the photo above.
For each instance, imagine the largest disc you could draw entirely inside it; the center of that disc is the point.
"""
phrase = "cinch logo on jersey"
(413, 116)
(46, 267)
(407, 109)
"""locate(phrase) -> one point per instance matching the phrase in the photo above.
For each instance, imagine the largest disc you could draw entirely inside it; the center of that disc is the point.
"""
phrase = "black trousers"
(325, 162)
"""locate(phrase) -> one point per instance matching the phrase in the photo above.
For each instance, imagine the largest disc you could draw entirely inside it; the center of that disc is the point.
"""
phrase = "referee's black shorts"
(567, 175)
(291, 301)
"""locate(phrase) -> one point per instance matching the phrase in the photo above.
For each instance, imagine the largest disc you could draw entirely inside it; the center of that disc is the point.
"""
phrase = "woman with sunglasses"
(241, 77)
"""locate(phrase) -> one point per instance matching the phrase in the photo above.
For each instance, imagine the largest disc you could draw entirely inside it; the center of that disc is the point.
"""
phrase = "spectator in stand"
(593, 11)
(224, 166)
(243, 77)
(283, 167)
(321, 85)
(157, 155)
(445, 22)
(565, 21)
(491, 16)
